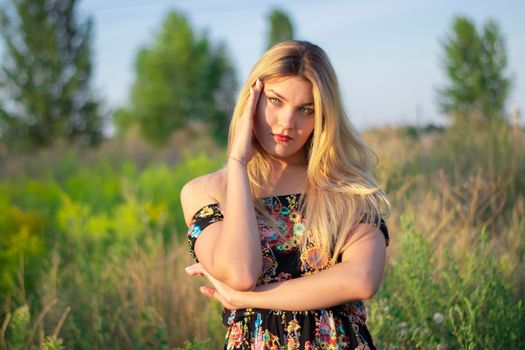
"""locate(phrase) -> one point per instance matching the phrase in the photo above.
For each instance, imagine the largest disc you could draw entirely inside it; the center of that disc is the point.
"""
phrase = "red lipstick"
(281, 137)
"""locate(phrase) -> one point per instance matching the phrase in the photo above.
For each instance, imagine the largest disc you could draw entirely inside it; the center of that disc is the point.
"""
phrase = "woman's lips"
(281, 137)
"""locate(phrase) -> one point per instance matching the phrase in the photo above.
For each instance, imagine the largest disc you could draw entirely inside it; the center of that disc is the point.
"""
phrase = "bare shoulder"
(200, 191)
(360, 233)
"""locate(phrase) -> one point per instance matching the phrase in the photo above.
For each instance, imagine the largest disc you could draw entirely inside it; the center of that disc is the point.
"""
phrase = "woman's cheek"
(270, 115)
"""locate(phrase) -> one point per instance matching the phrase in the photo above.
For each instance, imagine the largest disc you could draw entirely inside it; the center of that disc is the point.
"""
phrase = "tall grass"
(460, 256)
(92, 245)
(466, 303)
(95, 259)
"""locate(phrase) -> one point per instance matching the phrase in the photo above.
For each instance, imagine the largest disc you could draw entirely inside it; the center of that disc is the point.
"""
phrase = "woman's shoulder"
(201, 191)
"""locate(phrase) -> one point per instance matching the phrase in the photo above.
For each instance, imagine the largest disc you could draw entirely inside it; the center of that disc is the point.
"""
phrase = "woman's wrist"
(247, 299)
(238, 160)
(238, 299)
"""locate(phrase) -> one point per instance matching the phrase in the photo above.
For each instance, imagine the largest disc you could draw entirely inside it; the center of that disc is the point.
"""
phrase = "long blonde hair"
(339, 163)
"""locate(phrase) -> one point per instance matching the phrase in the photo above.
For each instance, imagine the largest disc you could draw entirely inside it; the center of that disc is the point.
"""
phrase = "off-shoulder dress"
(339, 327)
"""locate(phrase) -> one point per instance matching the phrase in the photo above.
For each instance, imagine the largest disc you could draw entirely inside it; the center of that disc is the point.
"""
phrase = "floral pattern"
(204, 217)
(339, 327)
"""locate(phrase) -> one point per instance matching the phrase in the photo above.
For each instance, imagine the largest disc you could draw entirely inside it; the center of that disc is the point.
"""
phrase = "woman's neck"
(286, 178)
(281, 165)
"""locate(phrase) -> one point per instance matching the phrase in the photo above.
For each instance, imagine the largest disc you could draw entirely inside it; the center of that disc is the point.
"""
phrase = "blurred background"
(107, 108)
(387, 54)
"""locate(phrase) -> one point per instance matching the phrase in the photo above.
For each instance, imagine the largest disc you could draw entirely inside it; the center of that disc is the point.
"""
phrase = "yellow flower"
(206, 211)
(293, 325)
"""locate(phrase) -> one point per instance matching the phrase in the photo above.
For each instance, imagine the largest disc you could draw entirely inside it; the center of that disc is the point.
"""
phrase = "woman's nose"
(287, 117)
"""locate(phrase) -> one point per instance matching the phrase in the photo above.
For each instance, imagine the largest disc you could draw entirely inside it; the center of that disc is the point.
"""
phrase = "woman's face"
(285, 117)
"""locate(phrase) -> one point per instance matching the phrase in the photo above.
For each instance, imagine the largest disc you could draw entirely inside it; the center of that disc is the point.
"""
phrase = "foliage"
(53, 343)
(476, 174)
(463, 304)
(21, 246)
(19, 330)
(281, 27)
(475, 63)
(91, 238)
(181, 78)
(111, 245)
(45, 75)
(108, 248)
(196, 345)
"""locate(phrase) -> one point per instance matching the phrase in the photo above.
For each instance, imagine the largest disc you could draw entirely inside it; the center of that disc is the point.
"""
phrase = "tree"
(476, 63)
(180, 78)
(281, 28)
(45, 75)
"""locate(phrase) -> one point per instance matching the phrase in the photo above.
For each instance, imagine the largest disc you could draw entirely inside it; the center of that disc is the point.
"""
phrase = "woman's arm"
(357, 277)
(237, 253)
(230, 250)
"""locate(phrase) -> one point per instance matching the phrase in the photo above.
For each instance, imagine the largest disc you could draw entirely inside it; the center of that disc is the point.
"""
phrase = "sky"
(387, 54)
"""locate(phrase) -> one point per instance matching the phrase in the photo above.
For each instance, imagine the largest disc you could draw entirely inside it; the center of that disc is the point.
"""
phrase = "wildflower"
(438, 318)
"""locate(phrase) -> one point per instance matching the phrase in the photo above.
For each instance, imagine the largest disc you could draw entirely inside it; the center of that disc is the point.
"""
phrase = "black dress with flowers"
(339, 327)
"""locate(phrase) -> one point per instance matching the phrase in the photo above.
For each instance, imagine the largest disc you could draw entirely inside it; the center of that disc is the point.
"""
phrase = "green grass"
(92, 245)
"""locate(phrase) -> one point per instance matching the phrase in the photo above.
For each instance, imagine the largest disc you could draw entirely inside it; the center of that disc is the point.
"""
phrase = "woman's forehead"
(291, 87)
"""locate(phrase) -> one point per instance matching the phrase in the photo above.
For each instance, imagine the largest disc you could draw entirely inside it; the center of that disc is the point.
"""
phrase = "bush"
(466, 303)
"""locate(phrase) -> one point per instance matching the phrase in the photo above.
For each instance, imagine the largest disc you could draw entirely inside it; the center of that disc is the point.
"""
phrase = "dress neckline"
(297, 194)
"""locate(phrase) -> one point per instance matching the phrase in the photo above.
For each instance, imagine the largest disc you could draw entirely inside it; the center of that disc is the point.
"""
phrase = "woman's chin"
(284, 154)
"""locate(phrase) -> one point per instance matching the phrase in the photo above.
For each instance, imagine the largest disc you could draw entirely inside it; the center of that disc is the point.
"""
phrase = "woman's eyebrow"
(284, 99)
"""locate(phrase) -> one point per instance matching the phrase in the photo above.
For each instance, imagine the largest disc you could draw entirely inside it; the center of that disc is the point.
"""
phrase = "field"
(93, 250)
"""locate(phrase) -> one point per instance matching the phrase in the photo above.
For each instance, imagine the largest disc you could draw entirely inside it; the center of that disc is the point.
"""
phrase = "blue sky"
(387, 53)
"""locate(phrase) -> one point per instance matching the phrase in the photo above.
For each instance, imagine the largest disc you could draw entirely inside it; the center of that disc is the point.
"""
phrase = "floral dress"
(339, 327)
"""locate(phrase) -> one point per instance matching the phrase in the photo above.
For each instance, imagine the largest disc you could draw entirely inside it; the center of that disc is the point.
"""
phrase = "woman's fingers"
(242, 147)
(213, 293)
(209, 292)
(219, 290)
(195, 270)
(255, 92)
(193, 273)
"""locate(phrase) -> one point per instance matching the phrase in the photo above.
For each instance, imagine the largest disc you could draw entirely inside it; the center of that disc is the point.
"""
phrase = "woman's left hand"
(222, 292)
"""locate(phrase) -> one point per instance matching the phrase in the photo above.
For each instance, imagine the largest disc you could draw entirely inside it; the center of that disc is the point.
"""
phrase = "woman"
(290, 232)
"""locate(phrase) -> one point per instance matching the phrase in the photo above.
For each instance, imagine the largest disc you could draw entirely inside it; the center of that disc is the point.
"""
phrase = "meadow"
(93, 247)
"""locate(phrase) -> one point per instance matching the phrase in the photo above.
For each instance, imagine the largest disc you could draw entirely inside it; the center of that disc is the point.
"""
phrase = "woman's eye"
(274, 101)
(307, 110)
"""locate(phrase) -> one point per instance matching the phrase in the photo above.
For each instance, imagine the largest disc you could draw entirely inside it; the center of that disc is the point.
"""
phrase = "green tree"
(281, 27)
(475, 63)
(180, 78)
(45, 74)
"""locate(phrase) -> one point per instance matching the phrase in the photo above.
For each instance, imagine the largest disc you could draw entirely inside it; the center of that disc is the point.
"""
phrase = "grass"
(92, 246)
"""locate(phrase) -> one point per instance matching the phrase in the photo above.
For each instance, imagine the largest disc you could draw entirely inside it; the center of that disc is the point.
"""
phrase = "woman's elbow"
(243, 279)
(368, 290)
(242, 283)
(365, 287)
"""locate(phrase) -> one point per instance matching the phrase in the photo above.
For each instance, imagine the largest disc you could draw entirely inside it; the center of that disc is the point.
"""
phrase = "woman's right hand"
(242, 146)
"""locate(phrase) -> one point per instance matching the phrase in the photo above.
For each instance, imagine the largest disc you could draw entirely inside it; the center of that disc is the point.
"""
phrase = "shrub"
(467, 302)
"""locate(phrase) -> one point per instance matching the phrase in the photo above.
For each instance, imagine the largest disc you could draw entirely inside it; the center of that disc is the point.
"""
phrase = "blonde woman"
(290, 232)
